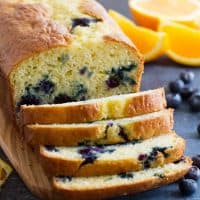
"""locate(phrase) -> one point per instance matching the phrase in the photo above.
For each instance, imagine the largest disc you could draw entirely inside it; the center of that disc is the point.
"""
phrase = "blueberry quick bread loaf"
(57, 51)
(101, 132)
(114, 107)
(104, 187)
(112, 159)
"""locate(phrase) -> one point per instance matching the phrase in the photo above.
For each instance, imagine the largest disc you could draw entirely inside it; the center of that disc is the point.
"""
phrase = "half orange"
(149, 13)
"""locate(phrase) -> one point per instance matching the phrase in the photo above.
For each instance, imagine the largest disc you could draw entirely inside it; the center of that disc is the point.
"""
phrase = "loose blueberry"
(173, 100)
(176, 86)
(187, 92)
(193, 173)
(188, 186)
(196, 161)
(62, 98)
(187, 77)
(194, 102)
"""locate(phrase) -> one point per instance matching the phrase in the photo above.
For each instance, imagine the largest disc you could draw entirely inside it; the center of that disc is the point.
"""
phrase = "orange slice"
(184, 43)
(152, 44)
(149, 13)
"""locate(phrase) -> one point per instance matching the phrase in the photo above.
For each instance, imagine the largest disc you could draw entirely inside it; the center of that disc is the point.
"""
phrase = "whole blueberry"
(188, 186)
(173, 100)
(113, 82)
(196, 161)
(194, 102)
(193, 173)
(176, 86)
(187, 92)
(187, 77)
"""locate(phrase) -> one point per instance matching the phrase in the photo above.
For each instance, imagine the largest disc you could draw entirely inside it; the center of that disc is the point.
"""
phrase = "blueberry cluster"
(147, 159)
(90, 153)
(45, 87)
(189, 184)
(181, 90)
(120, 76)
(80, 94)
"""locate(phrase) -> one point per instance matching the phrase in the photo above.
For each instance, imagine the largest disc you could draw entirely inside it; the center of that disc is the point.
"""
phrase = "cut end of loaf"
(97, 60)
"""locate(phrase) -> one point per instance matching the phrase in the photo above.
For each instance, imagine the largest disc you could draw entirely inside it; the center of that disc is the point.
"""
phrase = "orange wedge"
(184, 43)
(152, 44)
(149, 13)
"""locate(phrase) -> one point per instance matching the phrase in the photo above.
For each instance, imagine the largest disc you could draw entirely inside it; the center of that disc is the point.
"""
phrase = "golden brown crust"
(26, 29)
(148, 103)
(69, 113)
(71, 136)
(54, 166)
(119, 190)
(149, 128)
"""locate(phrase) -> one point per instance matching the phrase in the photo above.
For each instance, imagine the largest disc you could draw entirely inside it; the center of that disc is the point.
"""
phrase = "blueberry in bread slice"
(104, 187)
(101, 132)
(68, 51)
(119, 106)
(112, 159)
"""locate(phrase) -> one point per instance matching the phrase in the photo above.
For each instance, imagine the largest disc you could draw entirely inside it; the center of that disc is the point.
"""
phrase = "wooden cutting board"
(22, 157)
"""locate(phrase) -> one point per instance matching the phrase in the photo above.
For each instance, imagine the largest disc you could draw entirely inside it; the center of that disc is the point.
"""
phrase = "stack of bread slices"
(102, 148)
(71, 77)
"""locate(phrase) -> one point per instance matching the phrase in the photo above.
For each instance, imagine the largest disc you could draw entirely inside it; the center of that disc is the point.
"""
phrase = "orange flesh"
(169, 8)
(184, 41)
(143, 38)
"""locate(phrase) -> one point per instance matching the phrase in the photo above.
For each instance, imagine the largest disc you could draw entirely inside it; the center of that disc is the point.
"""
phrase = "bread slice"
(104, 187)
(101, 132)
(114, 107)
(69, 50)
(112, 159)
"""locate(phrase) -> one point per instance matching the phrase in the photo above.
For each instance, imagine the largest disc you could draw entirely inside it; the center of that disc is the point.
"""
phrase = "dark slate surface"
(157, 74)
